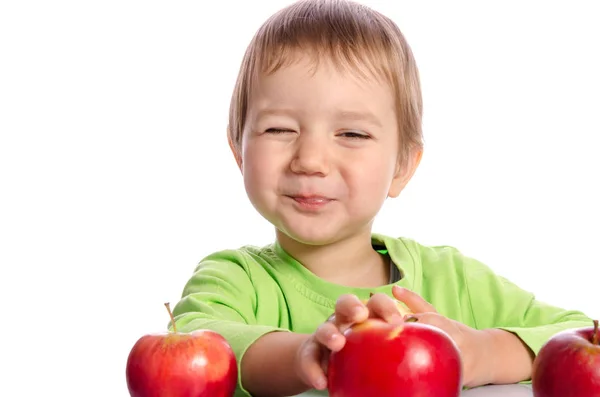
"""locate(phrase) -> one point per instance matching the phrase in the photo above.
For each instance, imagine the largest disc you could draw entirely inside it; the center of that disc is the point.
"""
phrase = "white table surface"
(518, 390)
(499, 391)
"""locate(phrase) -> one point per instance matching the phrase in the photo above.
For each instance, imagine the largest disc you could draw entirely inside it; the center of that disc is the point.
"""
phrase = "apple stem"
(595, 336)
(171, 315)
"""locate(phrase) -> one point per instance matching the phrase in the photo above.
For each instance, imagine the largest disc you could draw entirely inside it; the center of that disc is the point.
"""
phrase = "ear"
(405, 171)
(236, 153)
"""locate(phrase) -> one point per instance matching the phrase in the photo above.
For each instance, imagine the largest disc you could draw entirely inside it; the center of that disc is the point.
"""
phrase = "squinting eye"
(355, 135)
(277, 130)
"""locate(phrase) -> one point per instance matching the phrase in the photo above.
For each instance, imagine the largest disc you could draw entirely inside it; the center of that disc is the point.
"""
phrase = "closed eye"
(278, 130)
(355, 135)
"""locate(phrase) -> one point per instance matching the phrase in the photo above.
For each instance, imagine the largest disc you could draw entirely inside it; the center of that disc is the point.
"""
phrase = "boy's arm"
(508, 359)
(221, 297)
(517, 323)
(269, 374)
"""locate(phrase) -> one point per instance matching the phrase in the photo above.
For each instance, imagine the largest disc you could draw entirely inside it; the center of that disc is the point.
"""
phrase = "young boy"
(325, 124)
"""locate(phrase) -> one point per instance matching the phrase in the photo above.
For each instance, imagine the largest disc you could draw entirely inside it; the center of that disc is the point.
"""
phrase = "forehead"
(322, 82)
(357, 64)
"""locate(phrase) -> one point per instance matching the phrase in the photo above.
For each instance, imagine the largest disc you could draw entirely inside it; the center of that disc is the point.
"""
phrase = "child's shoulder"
(245, 257)
(415, 247)
(429, 256)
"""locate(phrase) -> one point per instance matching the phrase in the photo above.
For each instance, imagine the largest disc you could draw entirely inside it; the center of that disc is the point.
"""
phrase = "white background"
(116, 177)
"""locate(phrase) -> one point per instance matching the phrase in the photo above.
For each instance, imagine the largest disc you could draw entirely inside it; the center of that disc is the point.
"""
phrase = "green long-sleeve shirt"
(244, 293)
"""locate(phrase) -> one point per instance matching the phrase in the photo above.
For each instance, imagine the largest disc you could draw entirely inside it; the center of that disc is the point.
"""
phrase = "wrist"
(268, 366)
(480, 370)
(507, 359)
(488, 359)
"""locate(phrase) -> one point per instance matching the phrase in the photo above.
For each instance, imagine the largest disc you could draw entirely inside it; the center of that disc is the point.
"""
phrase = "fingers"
(429, 318)
(348, 310)
(330, 336)
(413, 301)
(450, 327)
(310, 362)
(382, 306)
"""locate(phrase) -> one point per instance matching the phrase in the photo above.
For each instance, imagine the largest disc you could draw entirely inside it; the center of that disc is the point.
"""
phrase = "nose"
(310, 155)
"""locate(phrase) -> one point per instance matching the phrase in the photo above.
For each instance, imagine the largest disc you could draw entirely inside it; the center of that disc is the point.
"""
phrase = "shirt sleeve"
(498, 303)
(220, 296)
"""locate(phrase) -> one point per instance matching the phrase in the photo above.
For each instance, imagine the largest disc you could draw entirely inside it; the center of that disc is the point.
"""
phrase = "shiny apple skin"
(384, 360)
(568, 365)
(196, 364)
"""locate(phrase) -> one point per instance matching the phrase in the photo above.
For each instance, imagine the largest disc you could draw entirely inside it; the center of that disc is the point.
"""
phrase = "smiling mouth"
(311, 202)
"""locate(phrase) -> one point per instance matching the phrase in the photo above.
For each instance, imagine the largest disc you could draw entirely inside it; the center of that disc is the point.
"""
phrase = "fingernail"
(396, 318)
(321, 383)
(356, 310)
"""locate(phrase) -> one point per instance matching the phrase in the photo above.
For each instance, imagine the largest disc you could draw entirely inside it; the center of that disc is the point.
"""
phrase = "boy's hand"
(473, 344)
(313, 355)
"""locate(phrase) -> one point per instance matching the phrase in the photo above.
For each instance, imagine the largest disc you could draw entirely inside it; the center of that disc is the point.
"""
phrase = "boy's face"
(320, 152)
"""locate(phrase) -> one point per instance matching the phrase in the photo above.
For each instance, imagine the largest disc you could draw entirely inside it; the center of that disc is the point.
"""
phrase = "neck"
(351, 261)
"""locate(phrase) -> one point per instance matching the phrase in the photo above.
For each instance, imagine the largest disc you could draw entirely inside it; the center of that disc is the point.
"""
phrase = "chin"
(309, 239)
(318, 230)
(315, 242)
(314, 237)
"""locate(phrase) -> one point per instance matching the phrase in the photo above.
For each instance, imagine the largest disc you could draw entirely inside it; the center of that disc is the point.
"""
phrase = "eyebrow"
(359, 116)
(274, 112)
(351, 115)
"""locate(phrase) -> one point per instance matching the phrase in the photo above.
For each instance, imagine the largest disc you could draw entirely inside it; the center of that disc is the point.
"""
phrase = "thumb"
(414, 301)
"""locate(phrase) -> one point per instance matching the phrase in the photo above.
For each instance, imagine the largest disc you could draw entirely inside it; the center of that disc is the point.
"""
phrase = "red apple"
(174, 364)
(385, 360)
(568, 364)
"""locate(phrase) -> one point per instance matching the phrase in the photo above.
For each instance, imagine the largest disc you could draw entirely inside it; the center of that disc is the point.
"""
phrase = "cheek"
(372, 178)
(259, 170)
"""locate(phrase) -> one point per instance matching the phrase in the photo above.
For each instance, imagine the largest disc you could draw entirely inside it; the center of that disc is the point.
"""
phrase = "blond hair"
(355, 37)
